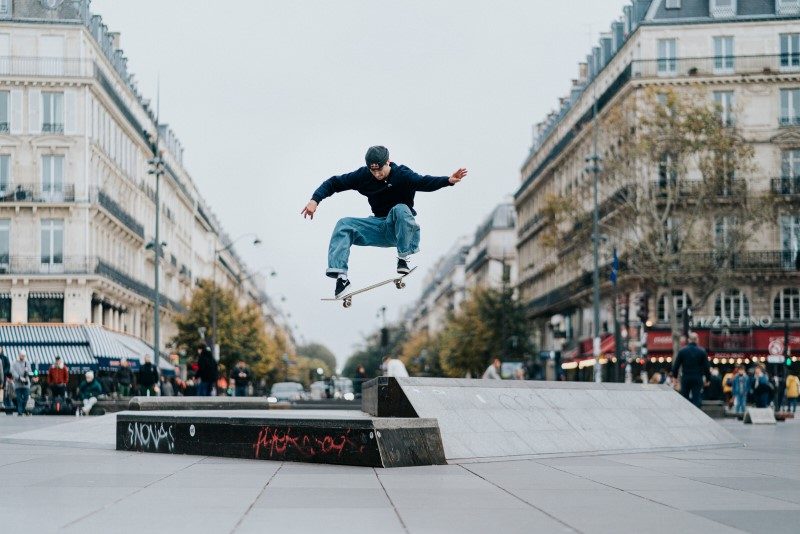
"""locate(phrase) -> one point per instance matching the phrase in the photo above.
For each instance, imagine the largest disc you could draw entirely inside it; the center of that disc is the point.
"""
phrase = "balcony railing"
(53, 127)
(688, 188)
(45, 66)
(713, 66)
(787, 185)
(747, 261)
(117, 211)
(37, 193)
(4, 127)
(789, 121)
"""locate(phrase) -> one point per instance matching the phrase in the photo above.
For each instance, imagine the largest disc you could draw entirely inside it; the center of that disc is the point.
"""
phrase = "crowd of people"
(24, 391)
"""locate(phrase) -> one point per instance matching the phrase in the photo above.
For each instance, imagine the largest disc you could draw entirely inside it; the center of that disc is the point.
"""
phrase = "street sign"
(775, 358)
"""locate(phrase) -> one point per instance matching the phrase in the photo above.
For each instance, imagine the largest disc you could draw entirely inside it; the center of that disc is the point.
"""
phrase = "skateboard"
(347, 298)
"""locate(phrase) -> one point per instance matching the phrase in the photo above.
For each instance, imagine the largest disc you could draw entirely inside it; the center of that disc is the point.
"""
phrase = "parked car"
(287, 392)
(343, 388)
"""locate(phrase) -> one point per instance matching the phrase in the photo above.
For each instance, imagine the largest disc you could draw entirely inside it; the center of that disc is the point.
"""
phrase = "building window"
(724, 102)
(667, 172)
(787, 7)
(723, 54)
(673, 4)
(52, 112)
(5, 9)
(5, 308)
(790, 240)
(5, 174)
(667, 56)
(732, 304)
(680, 301)
(52, 243)
(790, 107)
(5, 116)
(790, 50)
(722, 8)
(53, 178)
(45, 308)
(724, 228)
(790, 163)
(5, 244)
(786, 305)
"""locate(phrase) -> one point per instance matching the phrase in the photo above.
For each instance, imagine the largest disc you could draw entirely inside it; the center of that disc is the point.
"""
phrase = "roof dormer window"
(787, 7)
(722, 8)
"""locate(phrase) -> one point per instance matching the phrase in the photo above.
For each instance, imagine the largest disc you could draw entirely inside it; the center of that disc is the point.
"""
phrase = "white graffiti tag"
(150, 436)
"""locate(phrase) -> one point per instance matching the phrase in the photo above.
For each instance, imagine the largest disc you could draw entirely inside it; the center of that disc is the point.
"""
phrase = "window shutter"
(16, 112)
(34, 114)
(70, 112)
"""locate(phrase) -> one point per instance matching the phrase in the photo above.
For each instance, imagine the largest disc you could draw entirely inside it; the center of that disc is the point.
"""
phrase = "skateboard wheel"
(347, 303)
(400, 285)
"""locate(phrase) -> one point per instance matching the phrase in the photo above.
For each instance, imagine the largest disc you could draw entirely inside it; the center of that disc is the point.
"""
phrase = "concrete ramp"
(486, 419)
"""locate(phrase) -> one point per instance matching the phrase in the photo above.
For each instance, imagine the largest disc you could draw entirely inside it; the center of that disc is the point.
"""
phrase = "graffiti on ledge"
(153, 437)
(276, 443)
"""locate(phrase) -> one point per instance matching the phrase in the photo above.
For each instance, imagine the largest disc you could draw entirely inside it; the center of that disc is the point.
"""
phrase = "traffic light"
(643, 303)
(384, 337)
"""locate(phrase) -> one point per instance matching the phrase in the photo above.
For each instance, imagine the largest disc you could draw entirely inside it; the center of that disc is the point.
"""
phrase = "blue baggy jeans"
(397, 229)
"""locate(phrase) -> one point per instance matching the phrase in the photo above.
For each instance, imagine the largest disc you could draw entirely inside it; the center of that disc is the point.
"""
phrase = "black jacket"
(148, 375)
(242, 376)
(694, 362)
(124, 376)
(398, 188)
(6, 365)
(207, 367)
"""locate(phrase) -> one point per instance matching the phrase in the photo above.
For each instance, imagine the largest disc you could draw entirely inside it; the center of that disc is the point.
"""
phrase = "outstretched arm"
(433, 183)
(458, 175)
(334, 184)
(309, 210)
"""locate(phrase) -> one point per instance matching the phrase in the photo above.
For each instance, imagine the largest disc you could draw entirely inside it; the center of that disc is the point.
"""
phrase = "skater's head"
(378, 161)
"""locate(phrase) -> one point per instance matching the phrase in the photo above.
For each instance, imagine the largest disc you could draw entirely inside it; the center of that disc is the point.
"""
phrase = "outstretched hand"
(458, 175)
(309, 210)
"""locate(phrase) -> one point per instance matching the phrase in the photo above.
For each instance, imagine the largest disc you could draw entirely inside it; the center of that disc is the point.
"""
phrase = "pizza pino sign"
(715, 321)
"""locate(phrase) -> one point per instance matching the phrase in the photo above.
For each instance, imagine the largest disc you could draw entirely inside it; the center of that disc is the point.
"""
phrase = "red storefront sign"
(741, 343)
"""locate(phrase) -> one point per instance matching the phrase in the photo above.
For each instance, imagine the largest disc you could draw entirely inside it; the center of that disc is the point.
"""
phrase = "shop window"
(786, 305)
(5, 308)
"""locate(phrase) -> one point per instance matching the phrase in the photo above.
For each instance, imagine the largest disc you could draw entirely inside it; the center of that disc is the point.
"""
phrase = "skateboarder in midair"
(390, 190)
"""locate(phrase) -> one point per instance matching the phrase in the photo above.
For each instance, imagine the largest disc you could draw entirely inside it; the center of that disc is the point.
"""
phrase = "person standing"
(740, 387)
(5, 371)
(792, 392)
(694, 362)
(207, 373)
(493, 371)
(124, 378)
(241, 378)
(57, 378)
(762, 388)
(360, 378)
(21, 372)
(394, 367)
(148, 377)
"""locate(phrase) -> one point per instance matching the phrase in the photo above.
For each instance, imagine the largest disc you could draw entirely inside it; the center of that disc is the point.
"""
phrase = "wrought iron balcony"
(55, 264)
(713, 66)
(117, 211)
(4, 127)
(53, 127)
(45, 66)
(38, 193)
(747, 261)
(789, 121)
(664, 187)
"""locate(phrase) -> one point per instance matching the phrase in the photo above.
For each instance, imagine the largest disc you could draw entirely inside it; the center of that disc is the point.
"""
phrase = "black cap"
(377, 155)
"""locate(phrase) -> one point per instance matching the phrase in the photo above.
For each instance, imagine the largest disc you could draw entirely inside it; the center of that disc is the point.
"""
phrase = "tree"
(319, 352)
(679, 208)
(241, 332)
(490, 324)
(372, 352)
(420, 354)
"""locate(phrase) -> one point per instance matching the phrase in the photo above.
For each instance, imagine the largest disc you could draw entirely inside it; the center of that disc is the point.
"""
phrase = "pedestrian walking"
(792, 392)
(762, 387)
(394, 367)
(779, 389)
(166, 387)
(493, 371)
(124, 378)
(148, 377)
(5, 371)
(241, 378)
(713, 390)
(21, 372)
(207, 372)
(693, 360)
(740, 387)
(58, 378)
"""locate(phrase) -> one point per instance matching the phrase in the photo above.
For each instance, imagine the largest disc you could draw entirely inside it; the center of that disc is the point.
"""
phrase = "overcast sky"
(269, 98)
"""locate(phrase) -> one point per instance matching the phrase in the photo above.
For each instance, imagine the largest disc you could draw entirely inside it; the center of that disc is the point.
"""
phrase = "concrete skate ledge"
(198, 403)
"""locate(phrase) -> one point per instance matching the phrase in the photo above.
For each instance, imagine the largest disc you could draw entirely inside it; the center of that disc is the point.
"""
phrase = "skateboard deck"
(347, 298)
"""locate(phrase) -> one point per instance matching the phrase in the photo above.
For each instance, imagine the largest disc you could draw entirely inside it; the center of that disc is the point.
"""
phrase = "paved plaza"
(61, 474)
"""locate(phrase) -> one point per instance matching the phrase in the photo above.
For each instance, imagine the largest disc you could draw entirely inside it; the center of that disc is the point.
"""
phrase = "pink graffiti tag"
(276, 442)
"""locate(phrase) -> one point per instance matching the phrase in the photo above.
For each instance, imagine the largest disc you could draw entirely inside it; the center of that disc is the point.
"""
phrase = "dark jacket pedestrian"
(207, 372)
(241, 378)
(713, 391)
(148, 377)
(693, 360)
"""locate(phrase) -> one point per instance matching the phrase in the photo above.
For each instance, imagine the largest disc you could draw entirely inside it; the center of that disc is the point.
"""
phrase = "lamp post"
(214, 347)
(156, 169)
(594, 168)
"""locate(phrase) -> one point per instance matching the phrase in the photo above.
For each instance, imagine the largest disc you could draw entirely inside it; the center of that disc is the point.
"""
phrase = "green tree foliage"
(490, 324)
(371, 354)
(241, 332)
(319, 352)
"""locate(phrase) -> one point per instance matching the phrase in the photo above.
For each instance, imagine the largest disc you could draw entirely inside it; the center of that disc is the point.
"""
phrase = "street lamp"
(214, 347)
(593, 166)
(156, 169)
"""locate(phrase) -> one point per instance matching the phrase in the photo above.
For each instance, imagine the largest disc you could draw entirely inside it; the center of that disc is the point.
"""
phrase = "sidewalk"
(61, 474)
